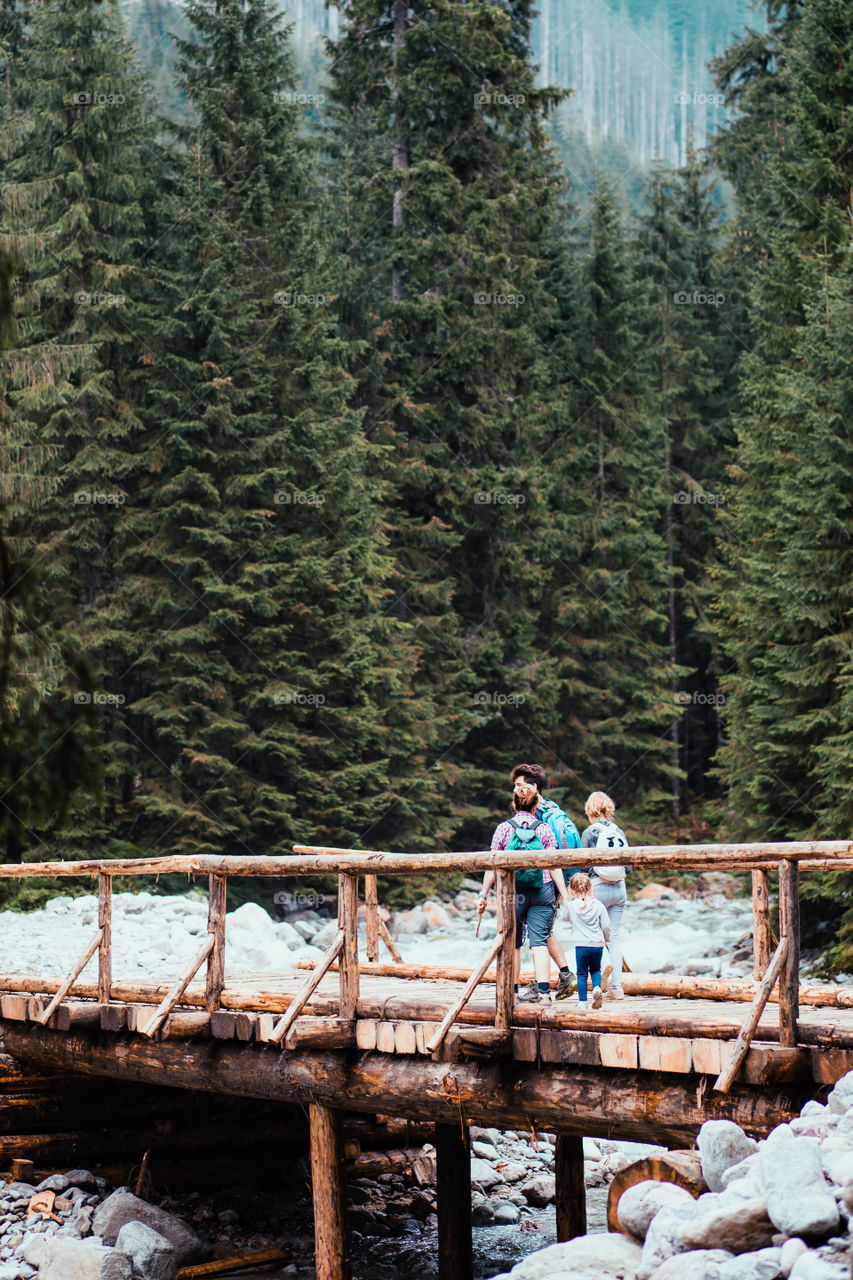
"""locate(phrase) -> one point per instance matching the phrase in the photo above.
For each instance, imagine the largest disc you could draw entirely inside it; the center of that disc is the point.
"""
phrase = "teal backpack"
(565, 832)
(524, 838)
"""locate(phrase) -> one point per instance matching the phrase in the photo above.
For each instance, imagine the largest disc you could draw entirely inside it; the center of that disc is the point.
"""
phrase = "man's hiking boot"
(567, 986)
(532, 995)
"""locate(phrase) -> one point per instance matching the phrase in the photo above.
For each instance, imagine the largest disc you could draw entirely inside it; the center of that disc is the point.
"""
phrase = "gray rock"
(64, 1259)
(484, 1173)
(838, 1165)
(764, 1264)
(743, 1169)
(505, 1214)
(8, 1271)
(810, 1266)
(639, 1204)
(841, 1097)
(414, 921)
(512, 1170)
(799, 1201)
(153, 1258)
(31, 1249)
(122, 1207)
(57, 1182)
(722, 1143)
(663, 1239)
(485, 1150)
(741, 1226)
(540, 1191)
(791, 1250)
(82, 1178)
(609, 1256)
(704, 1264)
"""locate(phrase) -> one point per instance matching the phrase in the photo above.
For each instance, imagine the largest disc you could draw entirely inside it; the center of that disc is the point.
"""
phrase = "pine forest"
(394, 391)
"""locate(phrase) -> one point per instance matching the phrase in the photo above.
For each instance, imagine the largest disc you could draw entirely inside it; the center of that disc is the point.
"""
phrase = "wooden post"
(331, 1228)
(453, 1191)
(216, 930)
(105, 953)
(571, 1188)
(371, 912)
(348, 924)
(789, 927)
(760, 925)
(741, 1046)
(505, 890)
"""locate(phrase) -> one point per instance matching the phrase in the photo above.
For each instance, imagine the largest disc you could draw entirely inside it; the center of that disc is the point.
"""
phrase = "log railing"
(785, 859)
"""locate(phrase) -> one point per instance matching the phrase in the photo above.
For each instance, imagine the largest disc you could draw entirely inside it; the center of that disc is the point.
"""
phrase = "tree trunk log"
(331, 1229)
(371, 914)
(761, 925)
(684, 1168)
(570, 1186)
(217, 896)
(105, 954)
(453, 1195)
(348, 960)
(789, 926)
(741, 1046)
(636, 1105)
(505, 890)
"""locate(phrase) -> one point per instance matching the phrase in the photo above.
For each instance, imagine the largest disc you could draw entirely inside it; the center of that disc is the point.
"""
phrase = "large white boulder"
(722, 1143)
(799, 1199)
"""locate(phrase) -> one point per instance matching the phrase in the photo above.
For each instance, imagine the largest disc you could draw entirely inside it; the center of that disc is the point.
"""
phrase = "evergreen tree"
(444, 215)
(608, 598)
(76, 164)
(269, 687)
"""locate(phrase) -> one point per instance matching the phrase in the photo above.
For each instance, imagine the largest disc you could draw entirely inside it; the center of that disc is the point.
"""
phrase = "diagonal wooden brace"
(71, 979)
(308, 990)
(166, 1006)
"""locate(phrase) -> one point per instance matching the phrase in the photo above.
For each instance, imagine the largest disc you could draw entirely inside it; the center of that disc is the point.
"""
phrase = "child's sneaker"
(596, 997)
(581, 1006)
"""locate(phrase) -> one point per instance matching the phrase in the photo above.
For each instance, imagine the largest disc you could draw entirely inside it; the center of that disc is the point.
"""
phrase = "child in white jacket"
(590, 929)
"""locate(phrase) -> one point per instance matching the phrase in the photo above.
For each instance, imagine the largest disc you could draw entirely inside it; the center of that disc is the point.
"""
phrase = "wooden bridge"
(353, 1034)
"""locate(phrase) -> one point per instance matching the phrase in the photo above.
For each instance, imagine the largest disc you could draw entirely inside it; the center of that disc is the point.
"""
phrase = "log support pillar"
(453, 1188)
(328, 1180)
(789, 927)
(570, 1187)
(761, 937)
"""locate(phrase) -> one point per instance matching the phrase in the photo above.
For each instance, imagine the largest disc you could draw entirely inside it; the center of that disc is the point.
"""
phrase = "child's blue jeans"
(588, 961)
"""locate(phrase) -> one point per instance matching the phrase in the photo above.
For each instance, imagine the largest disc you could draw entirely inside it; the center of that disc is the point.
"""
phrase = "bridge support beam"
(453, 1193)
(331, 1226)
(571, 1188)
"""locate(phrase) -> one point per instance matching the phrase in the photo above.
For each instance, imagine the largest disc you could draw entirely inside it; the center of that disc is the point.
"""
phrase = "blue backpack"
(565, 832)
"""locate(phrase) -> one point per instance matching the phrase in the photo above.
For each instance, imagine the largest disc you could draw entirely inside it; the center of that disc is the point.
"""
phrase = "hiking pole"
(477, 930)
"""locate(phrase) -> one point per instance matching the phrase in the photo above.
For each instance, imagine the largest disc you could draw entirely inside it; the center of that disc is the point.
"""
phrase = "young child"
(591, 929)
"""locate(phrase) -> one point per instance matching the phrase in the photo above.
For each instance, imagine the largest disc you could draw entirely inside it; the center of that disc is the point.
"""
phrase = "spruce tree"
(444, 219)
(270, 687)
(77, 156)
(607, 591)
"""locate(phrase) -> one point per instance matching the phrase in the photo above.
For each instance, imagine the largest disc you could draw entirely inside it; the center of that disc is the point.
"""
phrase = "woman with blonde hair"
(608, 882)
